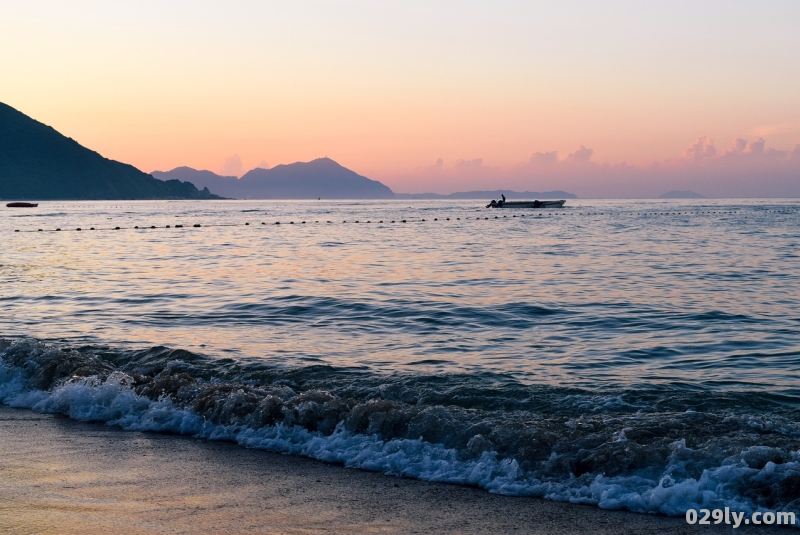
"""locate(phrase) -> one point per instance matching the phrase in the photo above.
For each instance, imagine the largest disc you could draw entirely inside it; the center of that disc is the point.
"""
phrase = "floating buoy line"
(436, 219)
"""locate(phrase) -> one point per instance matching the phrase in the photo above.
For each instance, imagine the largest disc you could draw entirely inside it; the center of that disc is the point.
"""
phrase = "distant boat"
(22, 205)
(503, 203)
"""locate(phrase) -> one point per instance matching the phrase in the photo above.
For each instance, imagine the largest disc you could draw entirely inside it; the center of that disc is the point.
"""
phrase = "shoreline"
(62, 476)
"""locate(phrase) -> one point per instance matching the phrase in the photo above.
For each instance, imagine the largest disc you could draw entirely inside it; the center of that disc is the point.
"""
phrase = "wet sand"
(62, 476)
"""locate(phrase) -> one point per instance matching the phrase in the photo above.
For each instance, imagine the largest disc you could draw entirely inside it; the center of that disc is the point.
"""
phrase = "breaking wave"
(657, 451)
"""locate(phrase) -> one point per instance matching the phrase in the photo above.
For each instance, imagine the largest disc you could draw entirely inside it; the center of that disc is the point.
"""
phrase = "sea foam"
(745, 479)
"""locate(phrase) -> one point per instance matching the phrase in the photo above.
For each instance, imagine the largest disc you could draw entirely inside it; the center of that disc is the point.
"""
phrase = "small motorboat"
(503, 203)
(22, 205)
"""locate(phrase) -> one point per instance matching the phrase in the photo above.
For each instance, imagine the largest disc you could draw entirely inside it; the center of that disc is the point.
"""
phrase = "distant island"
(37, 162)
(681, 194)
(488, 195)
(322, 178)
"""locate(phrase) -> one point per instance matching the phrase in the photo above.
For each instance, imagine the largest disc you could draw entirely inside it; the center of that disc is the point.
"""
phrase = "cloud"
(701, 149)
(582, 155)
(780, 128)
(738, 145)
(741, 148)
(755, 147)
(232, 166)
(544, 158)
(747, 168)
(435, 168)
(262, 165)
(468, 165)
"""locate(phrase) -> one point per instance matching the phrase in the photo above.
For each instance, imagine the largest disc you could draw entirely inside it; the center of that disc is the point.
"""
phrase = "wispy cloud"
(767, 130)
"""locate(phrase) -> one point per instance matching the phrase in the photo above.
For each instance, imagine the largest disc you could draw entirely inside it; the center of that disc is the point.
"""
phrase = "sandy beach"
(63, 476)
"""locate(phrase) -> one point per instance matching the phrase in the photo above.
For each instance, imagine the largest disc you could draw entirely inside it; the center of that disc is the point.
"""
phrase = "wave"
(657, 450)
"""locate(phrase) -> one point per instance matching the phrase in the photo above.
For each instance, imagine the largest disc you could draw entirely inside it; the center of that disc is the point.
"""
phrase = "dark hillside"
(37, 162)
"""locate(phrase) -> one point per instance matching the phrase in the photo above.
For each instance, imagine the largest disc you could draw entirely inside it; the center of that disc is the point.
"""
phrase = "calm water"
(636, 354)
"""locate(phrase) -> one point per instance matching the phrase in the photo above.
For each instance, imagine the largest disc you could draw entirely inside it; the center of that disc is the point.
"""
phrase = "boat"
(22, 205)
(503, 203)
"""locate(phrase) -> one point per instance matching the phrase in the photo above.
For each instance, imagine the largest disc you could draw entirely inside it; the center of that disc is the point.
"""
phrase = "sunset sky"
(603, 99)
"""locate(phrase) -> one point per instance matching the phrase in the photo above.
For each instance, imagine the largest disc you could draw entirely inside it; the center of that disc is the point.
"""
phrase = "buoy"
(116, 228)
(152, 226)
(40, 230)
(16, 230)
(78, 228)
(291, 222)
(404, 220)
(277, 222)
(196, 225)
(167, 227)
(58, 229)
(247, 223)
(303, 222)
(137, 226)
(176, 226)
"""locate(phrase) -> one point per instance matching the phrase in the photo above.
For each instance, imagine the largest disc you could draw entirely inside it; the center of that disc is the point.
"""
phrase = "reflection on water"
(602, 293)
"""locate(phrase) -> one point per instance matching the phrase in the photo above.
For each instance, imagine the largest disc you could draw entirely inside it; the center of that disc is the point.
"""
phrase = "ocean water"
(642, 355)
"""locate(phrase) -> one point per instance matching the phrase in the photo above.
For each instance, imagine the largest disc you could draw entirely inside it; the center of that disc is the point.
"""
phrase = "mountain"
(202, 179)
(321, 178)
(37, 162)
(495, 194)
(679, 194)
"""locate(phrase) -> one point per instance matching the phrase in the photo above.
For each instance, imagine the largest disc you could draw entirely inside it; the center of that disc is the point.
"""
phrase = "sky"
(601, 99)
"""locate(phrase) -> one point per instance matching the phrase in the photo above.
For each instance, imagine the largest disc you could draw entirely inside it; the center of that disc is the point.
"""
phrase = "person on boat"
(501, 203)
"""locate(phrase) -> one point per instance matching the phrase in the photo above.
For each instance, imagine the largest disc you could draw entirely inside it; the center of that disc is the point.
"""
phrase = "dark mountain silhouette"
(283, 182)
(679, 194)
(494, 194)
(321, 178)
(219, 184)
(37, 162)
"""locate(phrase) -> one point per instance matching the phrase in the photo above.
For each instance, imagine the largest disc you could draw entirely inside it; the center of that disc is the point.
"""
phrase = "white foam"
(114, 402)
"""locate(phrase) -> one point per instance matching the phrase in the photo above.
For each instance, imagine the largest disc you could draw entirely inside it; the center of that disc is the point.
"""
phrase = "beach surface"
(63, 476)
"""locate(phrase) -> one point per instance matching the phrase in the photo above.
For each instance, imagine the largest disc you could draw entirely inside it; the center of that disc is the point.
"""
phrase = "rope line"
(436, 219)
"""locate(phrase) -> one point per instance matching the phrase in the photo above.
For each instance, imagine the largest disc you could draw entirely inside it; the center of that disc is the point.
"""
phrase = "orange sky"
(389, 90)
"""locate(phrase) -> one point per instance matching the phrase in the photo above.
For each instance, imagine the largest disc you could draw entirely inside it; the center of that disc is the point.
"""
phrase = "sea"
(628, 354)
